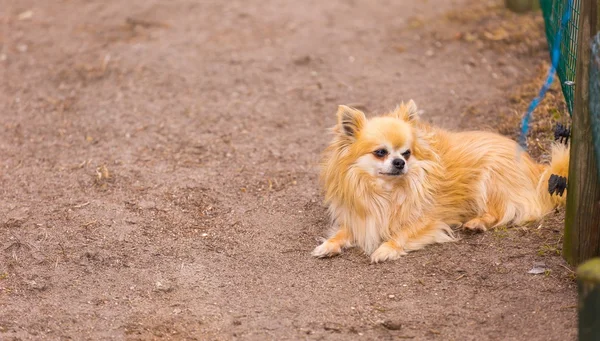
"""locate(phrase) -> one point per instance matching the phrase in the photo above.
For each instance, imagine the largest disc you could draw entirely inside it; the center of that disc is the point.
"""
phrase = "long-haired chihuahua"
(394, 184)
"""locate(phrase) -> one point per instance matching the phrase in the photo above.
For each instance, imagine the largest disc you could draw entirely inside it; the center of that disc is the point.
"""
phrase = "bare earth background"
(158, 171)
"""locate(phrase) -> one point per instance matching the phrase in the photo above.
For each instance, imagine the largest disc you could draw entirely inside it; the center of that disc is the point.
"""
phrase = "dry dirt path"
(158, 175)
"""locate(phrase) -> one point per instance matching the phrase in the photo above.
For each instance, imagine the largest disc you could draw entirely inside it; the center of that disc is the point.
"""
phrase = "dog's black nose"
(398, 163)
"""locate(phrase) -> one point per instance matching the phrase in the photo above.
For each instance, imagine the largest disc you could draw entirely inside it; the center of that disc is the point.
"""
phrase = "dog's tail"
(553, 181)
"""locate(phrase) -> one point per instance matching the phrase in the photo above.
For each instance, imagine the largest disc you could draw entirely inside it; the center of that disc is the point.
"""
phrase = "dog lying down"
(394, 184)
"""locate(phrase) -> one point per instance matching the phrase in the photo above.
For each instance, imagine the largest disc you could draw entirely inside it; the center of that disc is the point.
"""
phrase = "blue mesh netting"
(595, 96)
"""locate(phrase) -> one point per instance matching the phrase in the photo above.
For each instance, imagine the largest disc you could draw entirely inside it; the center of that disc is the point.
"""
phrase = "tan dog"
(394, 184)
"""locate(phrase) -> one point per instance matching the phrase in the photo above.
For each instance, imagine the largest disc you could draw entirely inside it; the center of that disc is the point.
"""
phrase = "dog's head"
(384, 146)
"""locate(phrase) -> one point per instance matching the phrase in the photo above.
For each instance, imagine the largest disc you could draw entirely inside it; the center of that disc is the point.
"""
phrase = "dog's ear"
(350, 121)
(407, 112)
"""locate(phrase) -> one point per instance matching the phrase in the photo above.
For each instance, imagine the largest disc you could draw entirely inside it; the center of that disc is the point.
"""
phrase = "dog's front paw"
(327, 249)
(387, 251)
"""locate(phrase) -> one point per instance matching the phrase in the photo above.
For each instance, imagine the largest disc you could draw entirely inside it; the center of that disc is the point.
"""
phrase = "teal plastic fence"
(553, 11)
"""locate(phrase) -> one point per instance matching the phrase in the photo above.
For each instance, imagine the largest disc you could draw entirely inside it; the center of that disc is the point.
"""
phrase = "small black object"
(557, 184)
(562, 133)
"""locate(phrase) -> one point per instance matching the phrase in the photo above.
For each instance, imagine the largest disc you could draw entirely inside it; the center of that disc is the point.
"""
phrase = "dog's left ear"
(407, 112)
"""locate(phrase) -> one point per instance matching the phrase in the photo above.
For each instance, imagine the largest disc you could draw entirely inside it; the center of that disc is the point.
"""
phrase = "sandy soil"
(158, 174)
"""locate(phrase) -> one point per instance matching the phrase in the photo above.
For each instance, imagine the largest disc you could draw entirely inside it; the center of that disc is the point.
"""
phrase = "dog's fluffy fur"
(439, 179)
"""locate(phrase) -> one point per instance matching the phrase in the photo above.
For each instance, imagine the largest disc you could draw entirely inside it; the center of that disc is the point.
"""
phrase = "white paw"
(327, 249)
(386, 251)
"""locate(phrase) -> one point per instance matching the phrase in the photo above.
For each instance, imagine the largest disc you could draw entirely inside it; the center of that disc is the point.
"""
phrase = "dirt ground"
(158, 173)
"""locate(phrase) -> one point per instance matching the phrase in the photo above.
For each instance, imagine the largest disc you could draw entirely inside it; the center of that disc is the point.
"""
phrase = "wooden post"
(588, 281)
(582, 223)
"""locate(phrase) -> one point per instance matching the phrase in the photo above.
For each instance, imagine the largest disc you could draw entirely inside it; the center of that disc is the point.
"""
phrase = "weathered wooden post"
(588, 279)
(582, 223)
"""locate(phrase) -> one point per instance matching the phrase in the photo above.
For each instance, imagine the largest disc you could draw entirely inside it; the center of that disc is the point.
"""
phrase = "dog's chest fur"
(373, 227)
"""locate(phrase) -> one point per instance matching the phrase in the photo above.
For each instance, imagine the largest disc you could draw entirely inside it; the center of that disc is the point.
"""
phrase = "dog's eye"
(406, 154)
(380, 152)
